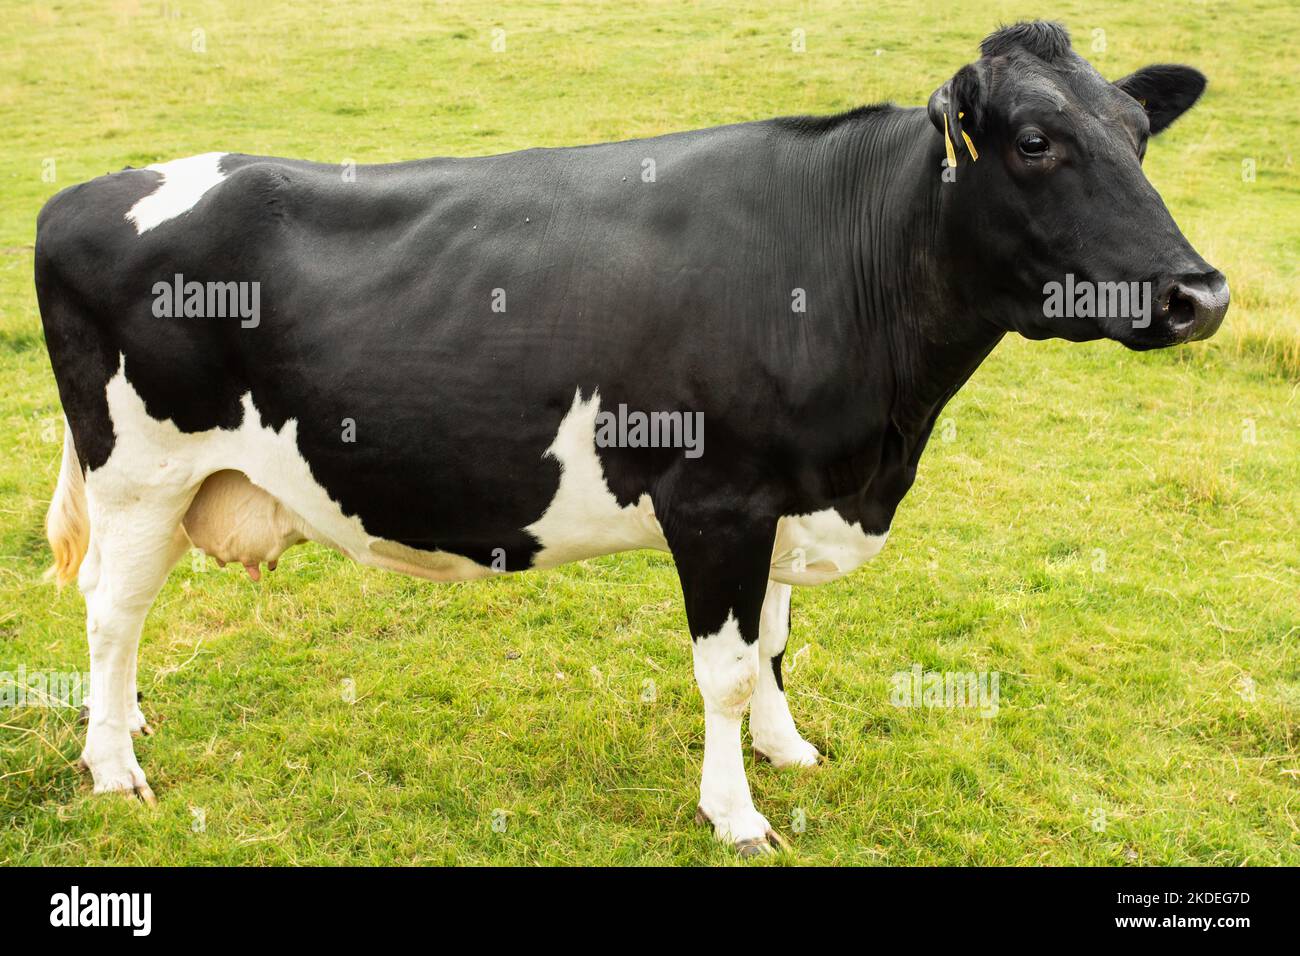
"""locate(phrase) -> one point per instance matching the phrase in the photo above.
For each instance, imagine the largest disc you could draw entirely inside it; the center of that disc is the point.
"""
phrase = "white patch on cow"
(184, 181)
(726, 670)
(148, 451)
(820, 547)
(584, 519)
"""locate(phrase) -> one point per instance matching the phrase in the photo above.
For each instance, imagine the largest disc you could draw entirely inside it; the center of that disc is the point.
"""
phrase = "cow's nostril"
(1182, 309)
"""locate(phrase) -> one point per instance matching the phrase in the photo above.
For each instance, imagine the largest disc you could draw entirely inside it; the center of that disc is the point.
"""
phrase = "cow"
(436, 366)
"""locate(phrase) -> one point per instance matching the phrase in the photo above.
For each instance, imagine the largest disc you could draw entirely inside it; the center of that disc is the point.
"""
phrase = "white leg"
(136, 722)
(770, 723)
(726, 669)
(135, 540)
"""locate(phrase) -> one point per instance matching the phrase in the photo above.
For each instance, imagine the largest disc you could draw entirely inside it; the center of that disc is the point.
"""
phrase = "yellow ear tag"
(947, 144)
(974, 154)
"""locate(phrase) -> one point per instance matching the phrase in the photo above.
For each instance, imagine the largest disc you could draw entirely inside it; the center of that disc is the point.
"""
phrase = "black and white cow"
(418, 375)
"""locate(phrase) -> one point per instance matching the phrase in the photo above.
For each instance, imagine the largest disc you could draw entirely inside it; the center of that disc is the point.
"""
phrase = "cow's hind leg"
(770, 723)
(136, 722)
(722, 562)
(135, 539)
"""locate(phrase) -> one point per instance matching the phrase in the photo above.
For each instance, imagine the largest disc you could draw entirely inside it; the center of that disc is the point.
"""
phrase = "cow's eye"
(1032, 144)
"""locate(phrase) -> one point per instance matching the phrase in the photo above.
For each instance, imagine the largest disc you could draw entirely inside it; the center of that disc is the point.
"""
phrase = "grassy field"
(1115, 534)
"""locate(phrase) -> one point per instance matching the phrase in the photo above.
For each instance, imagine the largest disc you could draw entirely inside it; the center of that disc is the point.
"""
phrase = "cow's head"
(1055, 217)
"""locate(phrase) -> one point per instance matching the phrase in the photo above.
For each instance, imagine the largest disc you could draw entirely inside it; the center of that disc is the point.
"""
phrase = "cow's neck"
(935, 337)
(913, 322)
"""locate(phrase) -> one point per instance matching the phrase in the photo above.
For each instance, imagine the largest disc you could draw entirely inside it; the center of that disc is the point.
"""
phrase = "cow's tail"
(67, 524)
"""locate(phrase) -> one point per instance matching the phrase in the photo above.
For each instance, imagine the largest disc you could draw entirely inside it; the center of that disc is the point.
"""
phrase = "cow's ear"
(957, 110)
(1166, 91)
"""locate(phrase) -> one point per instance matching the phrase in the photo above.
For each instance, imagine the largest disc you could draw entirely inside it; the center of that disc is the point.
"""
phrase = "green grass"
(1121, 670)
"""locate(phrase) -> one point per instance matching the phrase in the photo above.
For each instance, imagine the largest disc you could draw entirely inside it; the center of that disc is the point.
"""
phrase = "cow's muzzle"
(1191, 307)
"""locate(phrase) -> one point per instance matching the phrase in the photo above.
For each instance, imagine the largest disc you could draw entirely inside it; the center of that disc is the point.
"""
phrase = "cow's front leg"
(770, 723)
(722, 563)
